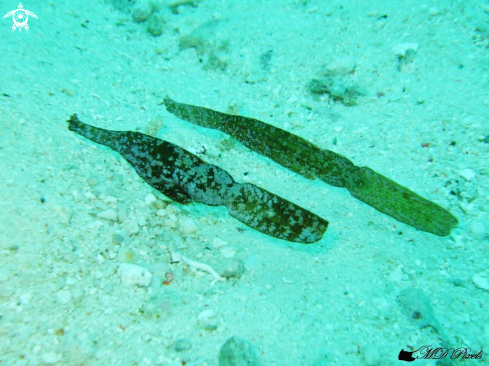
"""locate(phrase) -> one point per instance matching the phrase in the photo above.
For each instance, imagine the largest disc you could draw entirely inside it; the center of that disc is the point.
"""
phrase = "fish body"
(304, 158)
(185, 178)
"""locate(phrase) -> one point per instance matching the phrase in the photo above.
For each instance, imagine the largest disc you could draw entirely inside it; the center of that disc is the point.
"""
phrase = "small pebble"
(477, 230)
(50, 357)
(131, 226)
(141, 14)
(212, 153)
(132, 274)
(159, 204)
(172, 209)
(90, 196)
(218, 243)
(467, 174)
(233, 268)
(108, 215)
(228, 252)
(237, 352)
(117, 239)
(182, 345)
(63, 296)
(69, 92)
(126, 256)
(206, 315)
(371, 355)
(160, 50)
(161, 212)
(122, 215)
(481, 281)
(187, 226)
(149, 199)
(170, 223)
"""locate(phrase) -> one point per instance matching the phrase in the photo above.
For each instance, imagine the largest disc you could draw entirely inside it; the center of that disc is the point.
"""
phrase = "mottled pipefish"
(310, 161)
(184, 178)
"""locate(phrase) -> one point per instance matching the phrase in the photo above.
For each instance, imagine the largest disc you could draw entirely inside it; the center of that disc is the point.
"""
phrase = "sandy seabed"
(72, 211)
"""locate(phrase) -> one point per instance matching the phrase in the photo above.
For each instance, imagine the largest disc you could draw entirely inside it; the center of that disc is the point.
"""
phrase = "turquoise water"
(99, 268)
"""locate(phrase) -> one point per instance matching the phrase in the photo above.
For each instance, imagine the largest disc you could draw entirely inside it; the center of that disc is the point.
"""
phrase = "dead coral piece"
(201, 38)
(141, 14)
(175, 4)
(122, 5)
(156, 25)
(337, 90)
(405, 53)
(215, 62)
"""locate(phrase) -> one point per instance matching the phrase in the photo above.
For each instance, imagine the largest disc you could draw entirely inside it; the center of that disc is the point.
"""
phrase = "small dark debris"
(43, 200)
(6, 95)
(456, 281)
(417, 315)
(265, 60)
(485, 140)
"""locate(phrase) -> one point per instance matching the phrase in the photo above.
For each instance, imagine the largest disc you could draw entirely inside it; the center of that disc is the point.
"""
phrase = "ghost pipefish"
(186, 178)
(304, 158)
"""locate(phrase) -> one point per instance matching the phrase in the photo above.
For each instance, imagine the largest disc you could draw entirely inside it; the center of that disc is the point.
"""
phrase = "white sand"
(314, 305)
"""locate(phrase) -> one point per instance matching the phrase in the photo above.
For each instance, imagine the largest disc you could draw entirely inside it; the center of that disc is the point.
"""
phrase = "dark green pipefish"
(184, 178)
(308, 160)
